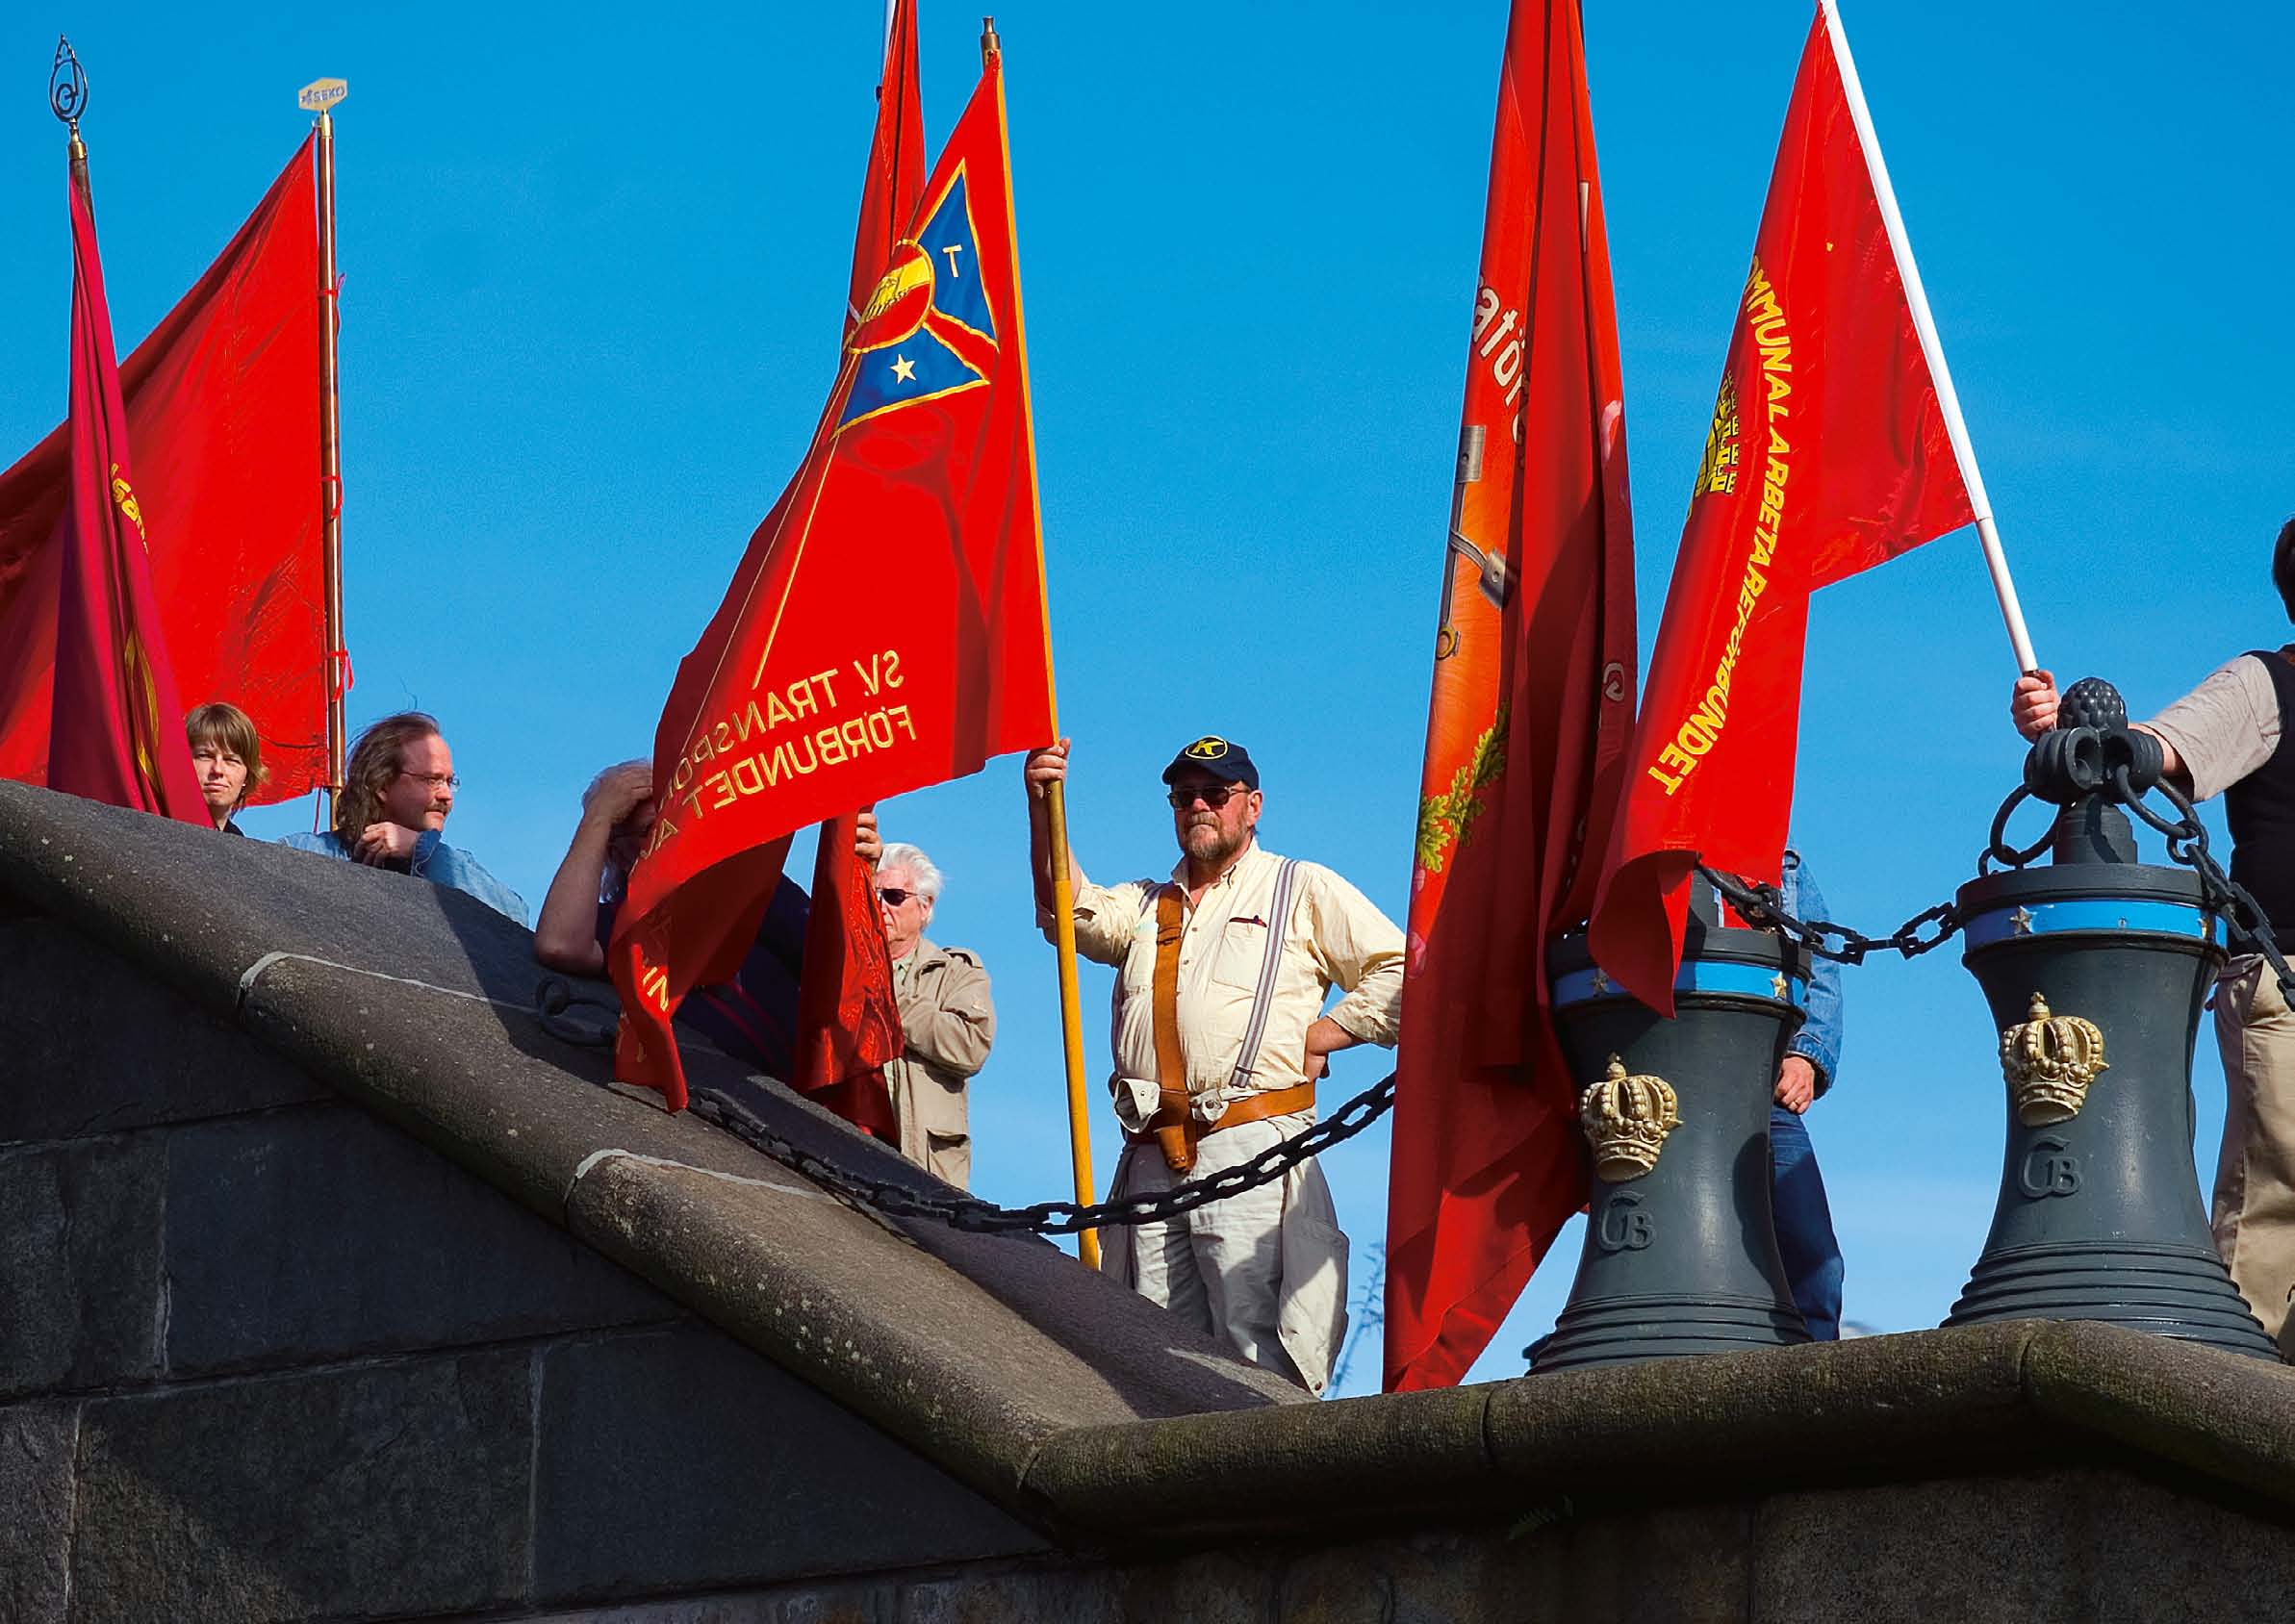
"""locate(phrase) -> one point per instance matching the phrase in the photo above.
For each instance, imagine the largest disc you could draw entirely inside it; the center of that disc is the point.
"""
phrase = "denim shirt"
(1818, 1041)
(435, 861)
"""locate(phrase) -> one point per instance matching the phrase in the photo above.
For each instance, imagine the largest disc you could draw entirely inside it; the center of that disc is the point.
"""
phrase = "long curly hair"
(375, 760)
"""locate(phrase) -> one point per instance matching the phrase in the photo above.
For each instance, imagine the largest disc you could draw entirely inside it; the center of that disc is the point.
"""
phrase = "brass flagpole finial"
(991, 47)
(68, 98)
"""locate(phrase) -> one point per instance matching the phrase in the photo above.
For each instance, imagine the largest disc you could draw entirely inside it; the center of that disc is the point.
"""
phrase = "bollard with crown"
(2096, 966)
(1680, 1254)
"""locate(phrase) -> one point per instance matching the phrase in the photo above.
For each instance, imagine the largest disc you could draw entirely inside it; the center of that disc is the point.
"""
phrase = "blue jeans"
(1804, 1225)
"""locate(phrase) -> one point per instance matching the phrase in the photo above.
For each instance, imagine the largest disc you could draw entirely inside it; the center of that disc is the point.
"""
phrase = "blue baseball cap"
(1221, 758)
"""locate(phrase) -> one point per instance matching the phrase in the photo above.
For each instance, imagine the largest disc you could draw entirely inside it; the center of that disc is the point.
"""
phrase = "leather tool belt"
(1176, 1129)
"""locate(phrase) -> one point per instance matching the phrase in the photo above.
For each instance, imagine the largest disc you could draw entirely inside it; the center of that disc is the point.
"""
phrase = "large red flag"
(119, 727)
(1828, 453)
(847, 1017)
(1533, 700)
(222, 416)
(798, 701)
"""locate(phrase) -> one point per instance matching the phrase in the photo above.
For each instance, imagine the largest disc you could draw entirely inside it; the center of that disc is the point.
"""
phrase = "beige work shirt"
(2226, 727)
(949, 1023)
(1335, 938)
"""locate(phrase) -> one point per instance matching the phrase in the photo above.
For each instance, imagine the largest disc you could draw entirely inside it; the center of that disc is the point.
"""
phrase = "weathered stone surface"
(79, 1264)
(139, 1053)
(374, 1490)
(36, 1510)
(314, 1234)
(2062, 1547)
(680, 1458)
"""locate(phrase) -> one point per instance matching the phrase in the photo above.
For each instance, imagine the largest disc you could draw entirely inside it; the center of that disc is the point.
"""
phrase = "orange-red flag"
(222, 418)
(119, 729)
(1533, 700)
(1828, 453)
(795, 703)
(848, 1018)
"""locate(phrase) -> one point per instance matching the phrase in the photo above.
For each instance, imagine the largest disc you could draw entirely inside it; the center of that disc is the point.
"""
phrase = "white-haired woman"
(946, 1016)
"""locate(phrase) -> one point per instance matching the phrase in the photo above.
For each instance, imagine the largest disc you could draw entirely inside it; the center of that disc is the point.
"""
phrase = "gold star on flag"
(904, 370)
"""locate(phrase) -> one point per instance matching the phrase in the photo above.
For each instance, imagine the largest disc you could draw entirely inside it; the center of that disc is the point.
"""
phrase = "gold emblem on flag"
(124, 499)
(1626, 1120)
(1718, 471)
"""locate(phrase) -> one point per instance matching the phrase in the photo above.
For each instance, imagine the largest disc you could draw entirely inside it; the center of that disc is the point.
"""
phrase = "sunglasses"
(893, 896)
(1214, 795)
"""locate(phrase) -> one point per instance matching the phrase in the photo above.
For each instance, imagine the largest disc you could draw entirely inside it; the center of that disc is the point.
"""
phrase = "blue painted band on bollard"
(2090, 913)
(1696, 975)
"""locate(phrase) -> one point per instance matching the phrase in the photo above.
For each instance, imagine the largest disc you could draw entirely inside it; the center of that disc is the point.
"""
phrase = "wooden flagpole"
(1056, 803)
(320, 96)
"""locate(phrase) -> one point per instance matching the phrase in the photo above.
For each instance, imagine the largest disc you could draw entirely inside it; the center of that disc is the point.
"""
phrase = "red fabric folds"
(119, 727)
(222, 417)
(1533, 702)
(795, 705)
(1827, 455)
(849, 1021)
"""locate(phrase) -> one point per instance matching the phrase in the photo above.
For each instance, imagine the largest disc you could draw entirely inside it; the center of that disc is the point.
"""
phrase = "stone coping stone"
(1968, 1400)
(416, 1001)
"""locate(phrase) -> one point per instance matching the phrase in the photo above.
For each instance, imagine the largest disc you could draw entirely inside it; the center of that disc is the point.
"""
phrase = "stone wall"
(2055, 1547)
(263, 1356)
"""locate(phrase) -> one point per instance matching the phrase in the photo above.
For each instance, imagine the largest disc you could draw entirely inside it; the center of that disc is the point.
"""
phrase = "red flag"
(797, 704)
(222, 415)
(849, 1019)
(1829, 454)
(1533, 701)
(119, 727)
(895, 172)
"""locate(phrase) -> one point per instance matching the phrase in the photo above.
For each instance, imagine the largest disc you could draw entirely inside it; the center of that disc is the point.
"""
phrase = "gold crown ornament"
(2049, 1062)
(1626, 1120)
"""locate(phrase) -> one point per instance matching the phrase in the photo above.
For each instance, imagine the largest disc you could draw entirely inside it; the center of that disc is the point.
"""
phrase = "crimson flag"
(798, 703)
(849, 1017)
(1828, 453)
(119, 727)
(1533, 701)
(222, 417)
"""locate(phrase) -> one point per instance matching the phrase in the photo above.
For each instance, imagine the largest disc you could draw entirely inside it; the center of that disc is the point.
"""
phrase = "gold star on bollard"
(1777, 984)
(2021, 921)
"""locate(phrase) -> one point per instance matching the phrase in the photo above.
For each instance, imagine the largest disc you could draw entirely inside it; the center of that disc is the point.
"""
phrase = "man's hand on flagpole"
(2032, 703)
(1044, 768)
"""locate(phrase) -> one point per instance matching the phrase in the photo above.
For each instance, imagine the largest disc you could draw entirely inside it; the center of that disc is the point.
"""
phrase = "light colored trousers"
(2254, 1174)
(1266, 1270)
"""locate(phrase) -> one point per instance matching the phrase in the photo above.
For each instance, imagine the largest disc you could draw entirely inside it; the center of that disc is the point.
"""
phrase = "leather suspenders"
(1175, 1126)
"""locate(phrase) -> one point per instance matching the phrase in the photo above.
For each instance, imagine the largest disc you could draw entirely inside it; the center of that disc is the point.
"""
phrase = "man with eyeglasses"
(399, 787)
(1220, 1037)
(947, 1019)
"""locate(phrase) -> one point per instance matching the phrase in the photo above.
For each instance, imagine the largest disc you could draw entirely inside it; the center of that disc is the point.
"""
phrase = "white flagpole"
(1988, 534)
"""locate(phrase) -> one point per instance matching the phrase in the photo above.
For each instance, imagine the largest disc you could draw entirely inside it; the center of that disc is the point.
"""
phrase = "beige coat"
(948, 1022)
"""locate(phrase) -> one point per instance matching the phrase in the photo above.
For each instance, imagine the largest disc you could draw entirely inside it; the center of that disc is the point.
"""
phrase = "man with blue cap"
(1220, 1037)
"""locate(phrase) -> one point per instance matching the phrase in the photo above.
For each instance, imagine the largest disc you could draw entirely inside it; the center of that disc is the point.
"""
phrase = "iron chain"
(1764, 905)
(2219, 893)
(557, 1003)
(1046, 1217)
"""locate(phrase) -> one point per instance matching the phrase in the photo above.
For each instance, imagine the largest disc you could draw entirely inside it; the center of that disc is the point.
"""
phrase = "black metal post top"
(2076, 758)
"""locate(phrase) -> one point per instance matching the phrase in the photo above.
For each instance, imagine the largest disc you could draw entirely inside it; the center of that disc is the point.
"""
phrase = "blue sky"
(594, 261)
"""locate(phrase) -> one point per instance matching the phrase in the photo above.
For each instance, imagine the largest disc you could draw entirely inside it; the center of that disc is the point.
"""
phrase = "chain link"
(1763, 905)
(1046, 1217)
(2187, 844)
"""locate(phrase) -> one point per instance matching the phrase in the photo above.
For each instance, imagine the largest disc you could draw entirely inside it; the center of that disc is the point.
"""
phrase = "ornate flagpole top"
(67, 86)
